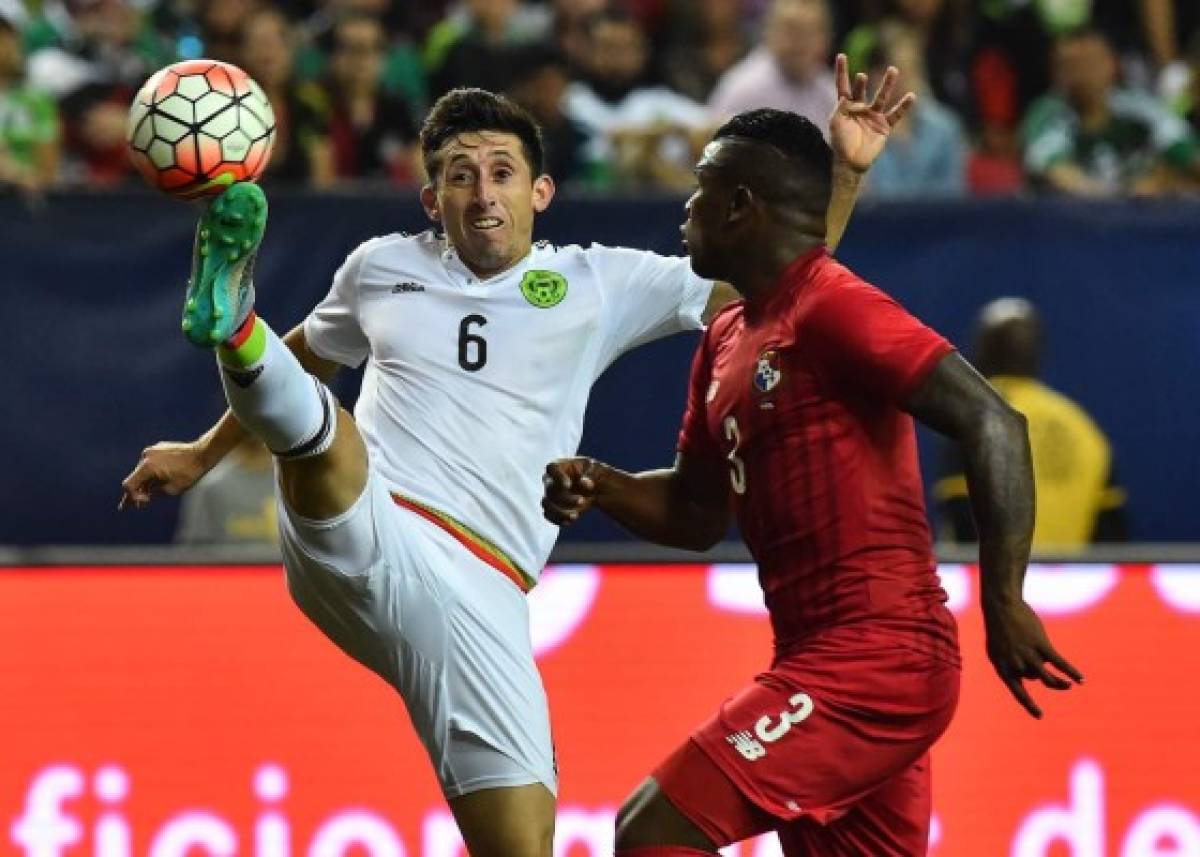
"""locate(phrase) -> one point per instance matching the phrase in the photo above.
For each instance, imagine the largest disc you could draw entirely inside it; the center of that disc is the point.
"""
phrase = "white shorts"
(449, 632)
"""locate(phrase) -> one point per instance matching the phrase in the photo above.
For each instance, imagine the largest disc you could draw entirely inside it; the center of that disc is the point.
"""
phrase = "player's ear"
(543, 192)
(741, 201)
(430, 204)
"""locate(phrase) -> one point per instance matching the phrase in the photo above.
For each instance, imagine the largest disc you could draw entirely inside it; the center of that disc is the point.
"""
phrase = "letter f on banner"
(43, 830)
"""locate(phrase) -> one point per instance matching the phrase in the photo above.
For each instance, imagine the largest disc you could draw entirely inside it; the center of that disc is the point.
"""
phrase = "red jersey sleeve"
(865, 339)
(695, 440)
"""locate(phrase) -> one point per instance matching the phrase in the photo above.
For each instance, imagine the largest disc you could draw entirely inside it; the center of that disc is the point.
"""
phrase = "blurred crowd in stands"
(1085, 97)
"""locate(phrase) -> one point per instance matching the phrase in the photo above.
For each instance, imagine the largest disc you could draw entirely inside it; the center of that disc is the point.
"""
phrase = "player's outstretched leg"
(323, 462)
(507, 822)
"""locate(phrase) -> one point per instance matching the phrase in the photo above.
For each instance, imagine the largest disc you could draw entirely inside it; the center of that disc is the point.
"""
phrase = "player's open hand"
(1019, 649)
(859, 127)
(165, 468)
(570, 489)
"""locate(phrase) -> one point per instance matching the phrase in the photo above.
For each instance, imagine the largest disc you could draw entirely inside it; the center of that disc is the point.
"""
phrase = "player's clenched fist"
(168, 467)
(569, 489)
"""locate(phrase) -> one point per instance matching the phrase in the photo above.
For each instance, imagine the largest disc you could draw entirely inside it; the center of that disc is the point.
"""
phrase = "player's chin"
(491, 255)
(701, 265)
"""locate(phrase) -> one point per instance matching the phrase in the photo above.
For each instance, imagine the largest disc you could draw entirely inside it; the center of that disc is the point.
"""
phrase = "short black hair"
(465, 111)
(802, 147)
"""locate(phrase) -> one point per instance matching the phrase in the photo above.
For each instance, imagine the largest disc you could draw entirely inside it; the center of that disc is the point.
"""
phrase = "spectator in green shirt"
(1090, 137)
(29, 129)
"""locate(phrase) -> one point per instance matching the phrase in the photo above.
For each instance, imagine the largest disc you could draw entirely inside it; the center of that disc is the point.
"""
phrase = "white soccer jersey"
(473, 386)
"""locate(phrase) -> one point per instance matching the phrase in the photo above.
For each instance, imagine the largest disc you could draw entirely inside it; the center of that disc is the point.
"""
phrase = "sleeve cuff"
(924, 365)
(695, 301)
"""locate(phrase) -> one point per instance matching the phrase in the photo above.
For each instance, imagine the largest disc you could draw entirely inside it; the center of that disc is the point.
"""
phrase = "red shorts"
(830, 748)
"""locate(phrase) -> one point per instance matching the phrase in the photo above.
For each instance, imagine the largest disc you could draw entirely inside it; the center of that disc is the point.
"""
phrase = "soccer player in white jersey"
(411, 532)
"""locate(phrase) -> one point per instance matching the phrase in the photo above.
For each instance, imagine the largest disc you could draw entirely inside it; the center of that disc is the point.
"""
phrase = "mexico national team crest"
(767, 373)
(544, 289)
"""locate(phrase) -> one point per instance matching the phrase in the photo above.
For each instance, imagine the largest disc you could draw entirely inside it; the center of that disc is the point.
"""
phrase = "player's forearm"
(999, 470)
(993, 441)
(846, 183)
(220, 440)
(651, 506)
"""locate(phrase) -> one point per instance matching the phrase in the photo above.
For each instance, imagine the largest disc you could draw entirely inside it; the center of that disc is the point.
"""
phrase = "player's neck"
(486, 272)
(761, 275)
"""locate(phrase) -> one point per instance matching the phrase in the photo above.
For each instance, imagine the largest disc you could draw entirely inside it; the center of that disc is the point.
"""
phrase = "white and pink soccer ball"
(198, 126)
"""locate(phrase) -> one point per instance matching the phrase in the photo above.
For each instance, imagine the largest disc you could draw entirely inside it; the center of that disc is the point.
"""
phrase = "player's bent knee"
(326, 484)
(648, 819)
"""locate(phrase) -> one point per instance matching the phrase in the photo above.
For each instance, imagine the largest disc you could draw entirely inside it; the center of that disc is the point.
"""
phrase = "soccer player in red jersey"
(799, 417)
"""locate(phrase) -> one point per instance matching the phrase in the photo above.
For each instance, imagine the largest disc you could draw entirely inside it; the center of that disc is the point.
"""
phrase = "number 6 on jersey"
(475, 361)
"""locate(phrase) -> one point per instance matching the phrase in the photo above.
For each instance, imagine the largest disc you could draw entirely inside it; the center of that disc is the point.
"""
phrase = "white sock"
(292, 412)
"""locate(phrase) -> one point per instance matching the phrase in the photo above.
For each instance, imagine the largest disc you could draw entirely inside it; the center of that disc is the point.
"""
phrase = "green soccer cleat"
(220, 292)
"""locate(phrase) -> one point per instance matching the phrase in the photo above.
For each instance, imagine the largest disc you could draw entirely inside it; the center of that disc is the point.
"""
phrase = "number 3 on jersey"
(472, 348)
(737, 469)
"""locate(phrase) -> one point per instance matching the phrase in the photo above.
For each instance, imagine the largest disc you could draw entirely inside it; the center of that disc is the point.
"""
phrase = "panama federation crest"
(767, 373)
(544, 289)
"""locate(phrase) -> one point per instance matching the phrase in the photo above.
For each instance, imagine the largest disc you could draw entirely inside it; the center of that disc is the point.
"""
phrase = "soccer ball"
(198, 126)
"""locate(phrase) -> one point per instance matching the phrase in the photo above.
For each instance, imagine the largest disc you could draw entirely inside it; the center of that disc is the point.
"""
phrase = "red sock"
(663, 851)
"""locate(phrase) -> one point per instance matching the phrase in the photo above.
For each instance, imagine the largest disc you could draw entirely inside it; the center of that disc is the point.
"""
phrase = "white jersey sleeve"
(646, 296)
(333, 329)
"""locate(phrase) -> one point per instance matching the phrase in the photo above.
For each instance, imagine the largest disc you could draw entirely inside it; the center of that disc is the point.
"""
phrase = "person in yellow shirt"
(1078, 499)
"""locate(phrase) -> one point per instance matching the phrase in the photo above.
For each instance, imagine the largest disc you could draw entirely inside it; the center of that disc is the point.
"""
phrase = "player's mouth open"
(486, 223)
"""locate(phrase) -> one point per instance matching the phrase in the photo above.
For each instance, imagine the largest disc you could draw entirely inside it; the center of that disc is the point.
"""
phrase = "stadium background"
(171, 702)
(97, 303)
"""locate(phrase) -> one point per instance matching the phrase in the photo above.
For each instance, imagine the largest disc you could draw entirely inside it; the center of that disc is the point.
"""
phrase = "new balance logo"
(401, 288)
(745, 744)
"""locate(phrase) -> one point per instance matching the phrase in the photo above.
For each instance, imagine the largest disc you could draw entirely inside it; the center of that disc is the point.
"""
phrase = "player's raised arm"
(172, 467)
(956, 401)
(858, 133)
(686, 506)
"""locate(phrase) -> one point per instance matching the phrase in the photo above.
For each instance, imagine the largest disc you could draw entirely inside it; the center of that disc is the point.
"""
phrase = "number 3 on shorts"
(802, 706)
(737, 469)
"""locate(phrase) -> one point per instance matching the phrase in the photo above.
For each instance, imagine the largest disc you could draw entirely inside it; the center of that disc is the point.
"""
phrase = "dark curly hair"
(463, 111)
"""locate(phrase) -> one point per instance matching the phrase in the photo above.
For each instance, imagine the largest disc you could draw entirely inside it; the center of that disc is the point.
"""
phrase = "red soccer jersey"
(801, 395)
